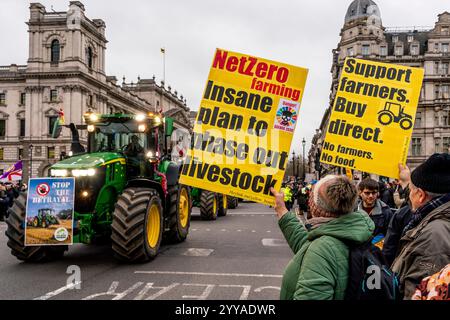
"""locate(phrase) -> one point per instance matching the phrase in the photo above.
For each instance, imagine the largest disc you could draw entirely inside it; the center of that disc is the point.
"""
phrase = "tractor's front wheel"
(233, 202)
(179, 213)
(16, 236)
(137, 225)
(406, 124)
(209, 205)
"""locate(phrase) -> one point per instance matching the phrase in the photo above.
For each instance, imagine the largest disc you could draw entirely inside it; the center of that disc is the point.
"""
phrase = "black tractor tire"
(16, 236)
(223, 205)
(179, 213)
(130, 225)
(233, 202)
(406, 124)
(208, 205)
(380, 117)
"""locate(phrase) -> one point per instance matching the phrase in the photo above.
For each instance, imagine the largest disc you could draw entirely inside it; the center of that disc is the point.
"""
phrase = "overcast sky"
(296, 32)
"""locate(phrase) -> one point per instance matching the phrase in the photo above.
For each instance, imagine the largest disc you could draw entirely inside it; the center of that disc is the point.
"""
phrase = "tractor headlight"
(142, 127)
(83, 172)
(140, 117)
(58, 172)
(149, 154)
(93, 117)
(91, 128)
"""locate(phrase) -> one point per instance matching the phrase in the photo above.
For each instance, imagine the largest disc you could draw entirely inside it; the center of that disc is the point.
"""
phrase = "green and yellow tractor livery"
(126, 189)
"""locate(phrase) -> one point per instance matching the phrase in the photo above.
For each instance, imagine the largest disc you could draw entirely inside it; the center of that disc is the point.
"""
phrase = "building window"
(1, 154)
(395, 39)
(445, 90)
(350, 52)
(89, 57)
(55, 51)
(22, 128)
(418, 123)
(444, 31)
(398, 50)
(445, 119)
(2, 129)
(410, 38)
(365, 50)
(2, 99)
(436, 47)
(416, 146)
(51, 123)
(446, 144)
(90, 100)
(436, 119)
(50, 152)
(437, 145)
(23, 97)
(53, 95)
(445, 47)
(383, 51)
(436, 92)
(20, 153)
(436, 67)
(414, 50)
(445, 68)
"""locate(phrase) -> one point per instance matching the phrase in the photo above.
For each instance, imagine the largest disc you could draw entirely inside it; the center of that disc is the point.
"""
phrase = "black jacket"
(391, 242)
(381, 215)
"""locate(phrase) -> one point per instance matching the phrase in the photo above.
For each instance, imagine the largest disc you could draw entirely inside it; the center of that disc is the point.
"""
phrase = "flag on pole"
(57, 127)
(14, 173)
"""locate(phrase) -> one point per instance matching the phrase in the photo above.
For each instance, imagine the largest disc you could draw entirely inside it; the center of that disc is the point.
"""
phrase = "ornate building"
(66, 70)
(364, 36)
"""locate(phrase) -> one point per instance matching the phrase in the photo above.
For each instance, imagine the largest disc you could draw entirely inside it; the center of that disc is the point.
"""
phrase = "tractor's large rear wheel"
(179, 213)
(233, 202)
(137, 225)
(223, 205)
(16, 236)
(209, 205)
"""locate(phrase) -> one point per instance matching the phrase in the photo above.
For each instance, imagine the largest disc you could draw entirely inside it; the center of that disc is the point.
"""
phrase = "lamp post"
(304, 144)
(30, 150)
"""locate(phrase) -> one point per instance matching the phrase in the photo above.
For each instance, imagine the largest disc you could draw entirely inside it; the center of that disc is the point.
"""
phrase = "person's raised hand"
(405, 175)
(280, 207)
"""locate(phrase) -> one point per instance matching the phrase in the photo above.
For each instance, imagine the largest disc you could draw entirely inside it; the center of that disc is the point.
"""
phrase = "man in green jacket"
(425, 244)
(319, 268)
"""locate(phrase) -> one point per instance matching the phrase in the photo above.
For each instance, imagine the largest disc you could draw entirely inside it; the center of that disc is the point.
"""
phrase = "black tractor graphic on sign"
(387, 116)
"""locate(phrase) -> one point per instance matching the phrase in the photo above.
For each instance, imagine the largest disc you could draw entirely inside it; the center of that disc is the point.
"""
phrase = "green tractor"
(211, 204)
(126, 190)
(45, 218)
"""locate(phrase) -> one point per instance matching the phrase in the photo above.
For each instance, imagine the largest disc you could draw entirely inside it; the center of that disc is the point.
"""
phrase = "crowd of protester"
(408, 219)
(8, 192)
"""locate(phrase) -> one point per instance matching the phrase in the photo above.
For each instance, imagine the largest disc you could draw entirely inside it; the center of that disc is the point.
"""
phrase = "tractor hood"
(89, 160)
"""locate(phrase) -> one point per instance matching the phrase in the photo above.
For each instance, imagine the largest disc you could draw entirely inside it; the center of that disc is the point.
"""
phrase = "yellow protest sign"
(373, 117)
(244, 127)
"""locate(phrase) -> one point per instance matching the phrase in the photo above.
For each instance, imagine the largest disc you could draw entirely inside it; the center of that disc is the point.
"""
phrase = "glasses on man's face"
(368, 193)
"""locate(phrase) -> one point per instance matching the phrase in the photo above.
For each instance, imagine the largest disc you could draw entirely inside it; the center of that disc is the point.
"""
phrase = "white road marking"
(194, 229)
(268, 287)
(239, 230)
(209, 288)
(253, 231)
(58, 291)
(274, 242)
(112, 291)
(245, 290)
(211, 274)
(197, 252)
(268, 231)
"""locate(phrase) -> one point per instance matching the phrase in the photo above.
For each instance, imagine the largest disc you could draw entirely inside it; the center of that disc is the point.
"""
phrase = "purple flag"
(13, 173)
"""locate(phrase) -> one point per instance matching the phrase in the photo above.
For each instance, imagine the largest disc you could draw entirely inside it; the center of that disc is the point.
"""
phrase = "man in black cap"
(425, 242)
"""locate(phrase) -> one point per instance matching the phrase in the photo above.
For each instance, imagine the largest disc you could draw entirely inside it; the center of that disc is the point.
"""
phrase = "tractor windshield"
(118, 137)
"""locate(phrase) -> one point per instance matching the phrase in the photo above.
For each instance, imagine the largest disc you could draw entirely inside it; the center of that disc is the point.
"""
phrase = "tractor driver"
(135, 153)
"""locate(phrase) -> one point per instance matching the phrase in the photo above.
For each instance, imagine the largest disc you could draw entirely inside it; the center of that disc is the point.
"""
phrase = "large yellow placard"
(244, 127)
(373, 117)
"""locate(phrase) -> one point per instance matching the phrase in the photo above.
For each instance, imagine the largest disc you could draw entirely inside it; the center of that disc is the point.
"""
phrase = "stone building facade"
(66, 70)
(364, 36)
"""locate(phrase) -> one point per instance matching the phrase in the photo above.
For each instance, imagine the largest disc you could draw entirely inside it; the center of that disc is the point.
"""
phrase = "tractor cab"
(139, 139)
